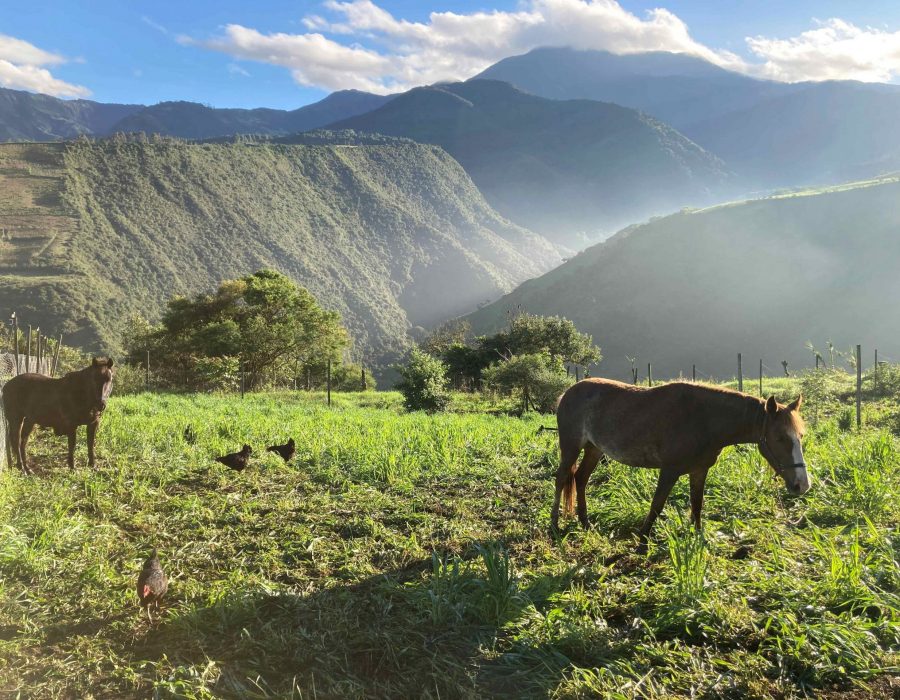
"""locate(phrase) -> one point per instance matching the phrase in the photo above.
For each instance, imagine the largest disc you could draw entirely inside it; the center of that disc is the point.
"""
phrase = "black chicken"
(152, 583)
(286, 450)
(237, 460)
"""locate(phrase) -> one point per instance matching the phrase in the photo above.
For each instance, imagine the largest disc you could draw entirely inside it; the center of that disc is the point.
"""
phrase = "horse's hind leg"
(12, 441)
(667, 479)
(592, 457)
(569, 450)
(27, 427)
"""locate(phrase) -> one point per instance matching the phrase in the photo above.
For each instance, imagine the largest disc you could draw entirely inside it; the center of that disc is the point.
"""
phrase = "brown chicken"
(286, 450)
(237, 460)
(152, 583)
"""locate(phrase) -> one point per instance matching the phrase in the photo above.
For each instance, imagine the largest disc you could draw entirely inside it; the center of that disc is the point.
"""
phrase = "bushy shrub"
(128, 379)
(424, 383)
(348, 377)
(538, 378)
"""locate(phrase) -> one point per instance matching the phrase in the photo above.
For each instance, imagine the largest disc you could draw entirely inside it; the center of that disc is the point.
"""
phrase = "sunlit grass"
(407, 555)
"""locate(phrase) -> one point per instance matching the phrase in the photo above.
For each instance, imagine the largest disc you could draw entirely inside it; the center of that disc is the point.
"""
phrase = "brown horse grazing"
(678, 428)
(78, 398)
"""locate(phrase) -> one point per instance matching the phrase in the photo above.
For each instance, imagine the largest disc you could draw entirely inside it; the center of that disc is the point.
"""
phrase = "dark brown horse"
(78, 398)
(678, 428)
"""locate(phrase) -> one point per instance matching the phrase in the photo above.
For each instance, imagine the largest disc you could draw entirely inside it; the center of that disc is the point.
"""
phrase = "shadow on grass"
(377, 637)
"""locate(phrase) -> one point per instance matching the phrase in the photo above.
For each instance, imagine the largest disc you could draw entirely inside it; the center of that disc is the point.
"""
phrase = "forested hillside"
(572, 170)
(760, 277)
(392, 235)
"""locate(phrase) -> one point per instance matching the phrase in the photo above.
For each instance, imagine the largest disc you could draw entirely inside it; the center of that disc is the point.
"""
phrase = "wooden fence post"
(740, 374)
(760, 378)
(858, 387)
(308, 379)
(15, 322)
(875, 377)
(28, 350)
(649, 375)
(37, 350)
(365, 384)
(693, 373)
(328, 382)
(56, 356)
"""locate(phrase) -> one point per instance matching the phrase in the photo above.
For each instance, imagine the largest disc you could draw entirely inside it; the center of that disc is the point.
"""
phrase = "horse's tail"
(569, 491)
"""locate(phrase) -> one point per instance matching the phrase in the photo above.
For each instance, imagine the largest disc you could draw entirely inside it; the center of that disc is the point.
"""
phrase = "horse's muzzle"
(797, 479)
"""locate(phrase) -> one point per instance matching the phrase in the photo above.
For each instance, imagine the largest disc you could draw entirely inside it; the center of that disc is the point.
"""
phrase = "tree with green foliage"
(526, 334)
(424, 383)
(263, 320)
(538, 378)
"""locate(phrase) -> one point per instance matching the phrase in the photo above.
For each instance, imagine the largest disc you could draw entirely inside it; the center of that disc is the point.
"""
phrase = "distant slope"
(195, 121)
(570, 170)
(678, 89)
(25, 116)
(392, 236)
(771, 134)
(759, 277)
(820, 133)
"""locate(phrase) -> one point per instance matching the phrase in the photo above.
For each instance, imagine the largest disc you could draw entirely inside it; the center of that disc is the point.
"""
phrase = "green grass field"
(405, 555)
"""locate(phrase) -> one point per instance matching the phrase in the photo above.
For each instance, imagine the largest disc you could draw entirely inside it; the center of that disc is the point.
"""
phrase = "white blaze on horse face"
(796, 478)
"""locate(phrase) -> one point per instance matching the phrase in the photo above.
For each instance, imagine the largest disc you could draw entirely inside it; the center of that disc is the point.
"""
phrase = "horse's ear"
(771, 406)
(109, 362)
(796, 403)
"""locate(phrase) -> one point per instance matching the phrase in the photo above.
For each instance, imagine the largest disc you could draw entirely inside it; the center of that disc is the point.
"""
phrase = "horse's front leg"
(91, 434)
(71, 435)
(698, 482)
(667, 479)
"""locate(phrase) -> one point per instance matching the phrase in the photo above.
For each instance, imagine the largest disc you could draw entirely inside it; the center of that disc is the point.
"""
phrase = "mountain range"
(26, 116)
(771, 134)
(404, 210)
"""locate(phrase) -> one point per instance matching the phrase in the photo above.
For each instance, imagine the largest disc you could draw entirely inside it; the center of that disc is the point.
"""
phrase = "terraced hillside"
(393, 236)
(36, 227)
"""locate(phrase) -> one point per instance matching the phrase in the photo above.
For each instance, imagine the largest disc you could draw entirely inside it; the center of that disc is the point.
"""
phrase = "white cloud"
(399, 54)
(835, 50)
(235, 69)
(155, 25)
(449, 46)
(22, 68)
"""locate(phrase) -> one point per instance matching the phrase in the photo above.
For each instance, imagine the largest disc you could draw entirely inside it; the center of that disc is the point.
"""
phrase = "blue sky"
(234, 53)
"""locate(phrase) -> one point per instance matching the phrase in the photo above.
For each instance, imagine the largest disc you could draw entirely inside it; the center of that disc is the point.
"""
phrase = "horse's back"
(628, 423)
(21, 392)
